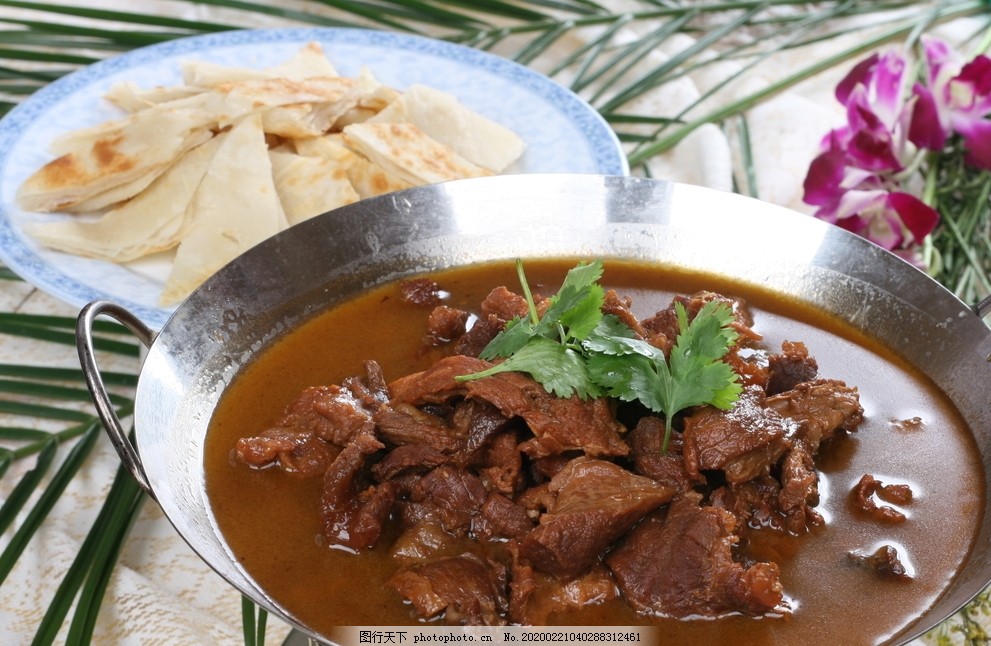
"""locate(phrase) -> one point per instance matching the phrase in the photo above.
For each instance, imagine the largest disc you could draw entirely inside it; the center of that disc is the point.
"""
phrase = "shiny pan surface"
(302, 271)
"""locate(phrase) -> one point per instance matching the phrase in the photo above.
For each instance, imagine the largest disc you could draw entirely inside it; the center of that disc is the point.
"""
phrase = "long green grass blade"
(50, 391)
(42, 411)
(280, 11)
(115, 517)
(17, 327)
(45, 373)
(62, 322)
(123, 507)
(127, 17)
(27, 484)
(21, 434)
(60, 480)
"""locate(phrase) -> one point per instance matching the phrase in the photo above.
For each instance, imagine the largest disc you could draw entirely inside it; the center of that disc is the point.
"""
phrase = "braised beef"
(595, 502)
(500, 465)
(619, 306)
(370, 388)
(420, 291)
(400, 424)
(479, 334)
(475, 422)
(561, 506)
(354, 512)
(790, 367)
(820, 408)
(500, 517)
(504, 304)
(423, 542)
(333, 413)
(799, 489)
(681, 563)
(742, 442)
(542, 597)
(665, 322)
(862, 497)
(884, 562)
(447, 496)
(445, 325)
(666, 467)
(302, 453)
(755, 503)
(408, 458)
(464, 589)
(559, 424)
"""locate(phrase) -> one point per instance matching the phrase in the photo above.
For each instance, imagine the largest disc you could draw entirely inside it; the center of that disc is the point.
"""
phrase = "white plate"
(563, 133)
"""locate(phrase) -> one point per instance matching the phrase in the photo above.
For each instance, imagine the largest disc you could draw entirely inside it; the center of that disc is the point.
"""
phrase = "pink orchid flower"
(956, 98)
(854, 182)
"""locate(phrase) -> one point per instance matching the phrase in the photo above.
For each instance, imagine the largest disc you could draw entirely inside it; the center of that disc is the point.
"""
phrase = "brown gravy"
(271, 520)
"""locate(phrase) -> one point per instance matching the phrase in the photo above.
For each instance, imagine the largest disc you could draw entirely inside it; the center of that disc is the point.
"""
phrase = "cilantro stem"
(531, 305)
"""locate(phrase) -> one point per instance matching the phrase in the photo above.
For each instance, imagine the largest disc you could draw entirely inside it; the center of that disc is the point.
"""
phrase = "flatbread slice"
(308, 61)
(234, 208)
(405, 151)
(153, 221)
(310, 185)
(90, 163)
(127, 96)
(367, 179)
(443, 117)
(370, 179)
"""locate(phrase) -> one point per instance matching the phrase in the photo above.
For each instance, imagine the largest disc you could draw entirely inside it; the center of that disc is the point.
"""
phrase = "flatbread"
(309, 61)
(144, 142)
(373, 98)
(127, 96)
(323, 101)
(310, 185)
(234, 208)
(367, 179)
(370, 180)
(155, 220)
(405, 151)
(444, 118)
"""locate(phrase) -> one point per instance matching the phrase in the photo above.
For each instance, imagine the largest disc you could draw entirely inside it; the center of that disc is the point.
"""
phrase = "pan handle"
(94, 380)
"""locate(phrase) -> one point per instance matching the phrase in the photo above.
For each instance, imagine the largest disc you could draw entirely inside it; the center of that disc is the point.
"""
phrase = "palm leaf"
(593, 54)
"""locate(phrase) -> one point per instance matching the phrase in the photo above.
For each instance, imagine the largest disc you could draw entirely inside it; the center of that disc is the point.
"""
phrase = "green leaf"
(47, 500)
(631, 377)
(515, 335)
(559, 369)
(612, 336)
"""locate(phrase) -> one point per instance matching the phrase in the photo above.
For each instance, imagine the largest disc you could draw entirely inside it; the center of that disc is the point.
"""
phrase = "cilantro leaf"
(513, 337)
(612, 336)
(560, 369)
(575, 349)
(631, 377)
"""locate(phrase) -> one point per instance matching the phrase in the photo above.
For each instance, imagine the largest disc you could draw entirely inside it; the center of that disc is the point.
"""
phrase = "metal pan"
(302, 271)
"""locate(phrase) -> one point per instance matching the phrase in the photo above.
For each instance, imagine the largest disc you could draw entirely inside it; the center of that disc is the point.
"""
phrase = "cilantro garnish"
(576, 349)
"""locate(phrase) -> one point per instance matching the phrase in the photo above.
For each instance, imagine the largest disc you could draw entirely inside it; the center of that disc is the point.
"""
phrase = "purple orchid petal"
(823, 181)
(859, 75)
(871, 146)
(887, 89)
(977, 75)
(977, 140)
(884, 229)
(926, 130)
(938, 54)
(917, 216)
